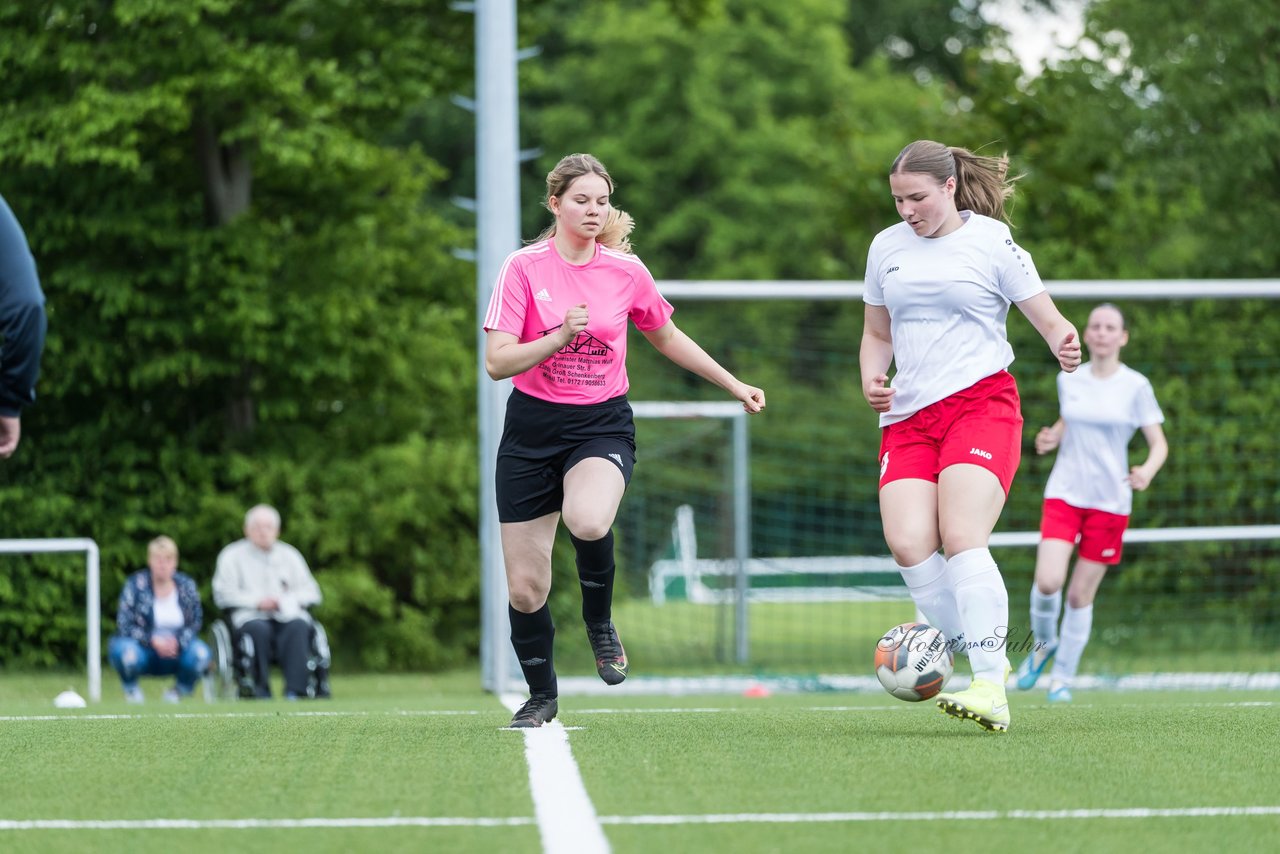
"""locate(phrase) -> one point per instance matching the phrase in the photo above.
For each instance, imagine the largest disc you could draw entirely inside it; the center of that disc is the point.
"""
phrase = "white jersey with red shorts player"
(536, 287)
(948, 298)
(1101, 415)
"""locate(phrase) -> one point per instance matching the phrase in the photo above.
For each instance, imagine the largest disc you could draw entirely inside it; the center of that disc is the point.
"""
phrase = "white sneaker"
(134, 695)
(171, 695)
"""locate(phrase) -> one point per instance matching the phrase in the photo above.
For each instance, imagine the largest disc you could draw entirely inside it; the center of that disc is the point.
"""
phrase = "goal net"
(797, 588)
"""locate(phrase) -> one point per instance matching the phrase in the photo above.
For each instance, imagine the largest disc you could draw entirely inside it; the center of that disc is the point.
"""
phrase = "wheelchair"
(231, 672)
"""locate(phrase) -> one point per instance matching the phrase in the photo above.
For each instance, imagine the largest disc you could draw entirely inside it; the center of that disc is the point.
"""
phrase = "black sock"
(532, 636)
(595, 574)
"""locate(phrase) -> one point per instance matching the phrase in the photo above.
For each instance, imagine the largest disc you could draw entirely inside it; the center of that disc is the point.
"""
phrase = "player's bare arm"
(1049, 438)
(874, 357)
(505, 356)
(671, 342)
(1058, 332)
(1140, 477)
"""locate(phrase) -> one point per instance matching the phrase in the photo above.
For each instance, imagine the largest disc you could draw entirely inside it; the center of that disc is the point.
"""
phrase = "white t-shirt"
(1101, 416)
(948, 298)
(166, 616)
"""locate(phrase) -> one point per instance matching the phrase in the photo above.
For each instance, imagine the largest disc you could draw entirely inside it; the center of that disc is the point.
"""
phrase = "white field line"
(674, 710)
(409, 713)
(263, 823)
(950, 815)
(567, 820)
(723, 818)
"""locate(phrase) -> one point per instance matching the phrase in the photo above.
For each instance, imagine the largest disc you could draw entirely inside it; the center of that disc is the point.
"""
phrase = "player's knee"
(528, 595)
(1079, 598)
(589, 528)
(910, 548)
(1048, 586)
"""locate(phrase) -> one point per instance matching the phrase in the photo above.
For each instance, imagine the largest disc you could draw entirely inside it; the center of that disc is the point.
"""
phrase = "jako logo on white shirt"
(986, 455)
(542, 296)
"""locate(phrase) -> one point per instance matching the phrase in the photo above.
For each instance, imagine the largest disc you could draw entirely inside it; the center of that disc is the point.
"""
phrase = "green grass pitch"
(830, 771)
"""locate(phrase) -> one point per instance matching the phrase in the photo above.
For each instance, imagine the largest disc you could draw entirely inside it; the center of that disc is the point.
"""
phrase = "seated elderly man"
(268, 587)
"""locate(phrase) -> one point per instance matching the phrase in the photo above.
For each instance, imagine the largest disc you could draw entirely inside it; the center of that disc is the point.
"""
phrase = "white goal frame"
(92, 595)
(844, 290)
(741, 451)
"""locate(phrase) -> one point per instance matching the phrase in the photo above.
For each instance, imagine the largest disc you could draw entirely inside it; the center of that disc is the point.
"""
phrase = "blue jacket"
(22, 318)
(135, 617)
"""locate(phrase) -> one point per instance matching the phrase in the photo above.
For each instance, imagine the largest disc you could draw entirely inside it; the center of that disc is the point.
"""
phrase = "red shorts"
(1101, 533)
(980, 425)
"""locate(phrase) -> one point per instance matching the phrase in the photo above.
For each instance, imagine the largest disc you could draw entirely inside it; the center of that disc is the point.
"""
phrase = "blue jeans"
(133, 659)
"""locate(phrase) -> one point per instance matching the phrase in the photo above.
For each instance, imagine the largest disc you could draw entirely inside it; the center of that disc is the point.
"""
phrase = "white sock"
(1045, 609)
(936, 600)
(984, 610)
(1077, 623)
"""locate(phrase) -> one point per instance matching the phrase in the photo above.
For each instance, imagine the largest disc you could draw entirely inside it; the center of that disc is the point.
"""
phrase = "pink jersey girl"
(938, 289)
(557, 325)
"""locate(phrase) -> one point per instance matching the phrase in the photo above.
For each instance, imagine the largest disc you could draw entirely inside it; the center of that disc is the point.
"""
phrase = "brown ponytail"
(983, 184)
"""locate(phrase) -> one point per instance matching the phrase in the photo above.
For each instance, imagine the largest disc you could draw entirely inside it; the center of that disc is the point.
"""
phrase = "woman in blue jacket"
(157, 626)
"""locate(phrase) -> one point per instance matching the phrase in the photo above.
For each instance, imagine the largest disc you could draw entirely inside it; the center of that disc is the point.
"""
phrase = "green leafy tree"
(925, 37)
(248, 301)
(1209, 85)
(1151, 153)
(744, 145)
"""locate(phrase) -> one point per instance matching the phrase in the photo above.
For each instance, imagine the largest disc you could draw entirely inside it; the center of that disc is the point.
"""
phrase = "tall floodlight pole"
(497, 235)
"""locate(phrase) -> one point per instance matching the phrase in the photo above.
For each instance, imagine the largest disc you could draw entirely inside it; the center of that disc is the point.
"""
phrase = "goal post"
(740, 462)
(92, 595)
(851, 289)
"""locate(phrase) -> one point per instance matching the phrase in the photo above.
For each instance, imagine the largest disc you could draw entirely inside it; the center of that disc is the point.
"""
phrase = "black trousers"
(287, 643)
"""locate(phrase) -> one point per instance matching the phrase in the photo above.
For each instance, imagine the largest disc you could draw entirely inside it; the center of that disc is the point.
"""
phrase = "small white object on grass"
(69, 699)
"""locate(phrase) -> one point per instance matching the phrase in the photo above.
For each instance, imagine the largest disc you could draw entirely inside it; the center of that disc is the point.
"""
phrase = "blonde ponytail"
(615, 231)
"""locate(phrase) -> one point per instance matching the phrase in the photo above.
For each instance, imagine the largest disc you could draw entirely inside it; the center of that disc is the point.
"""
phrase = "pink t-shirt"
(535, 289)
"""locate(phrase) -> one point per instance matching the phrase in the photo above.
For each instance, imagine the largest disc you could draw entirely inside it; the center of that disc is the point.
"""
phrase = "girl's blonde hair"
(162, 545)
(983, 184)
(617, 225)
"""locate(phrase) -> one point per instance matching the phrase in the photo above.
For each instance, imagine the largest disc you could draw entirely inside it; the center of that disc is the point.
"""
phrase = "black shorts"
(541, 441)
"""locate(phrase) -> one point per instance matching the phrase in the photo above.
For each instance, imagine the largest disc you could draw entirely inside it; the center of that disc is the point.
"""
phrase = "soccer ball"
(913, 660)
